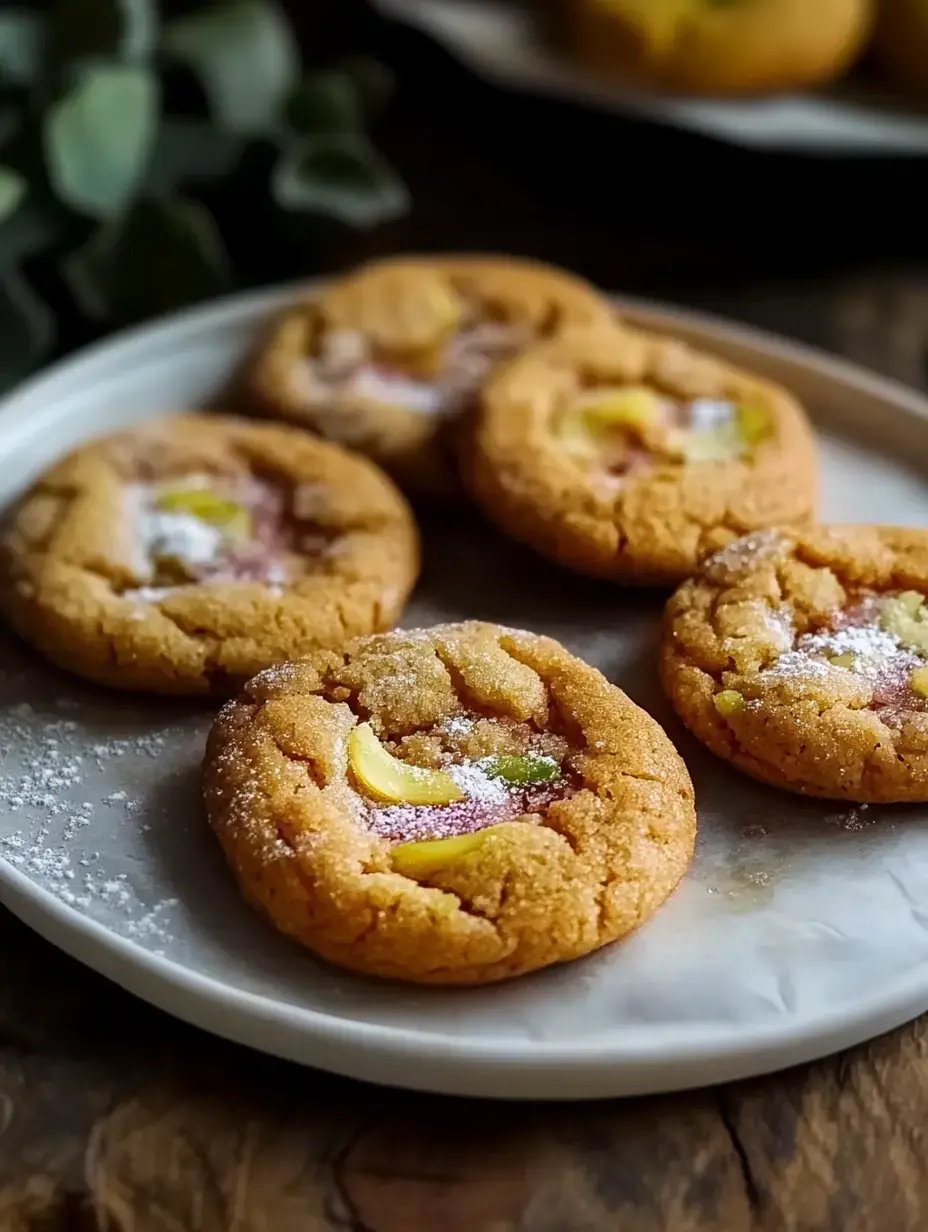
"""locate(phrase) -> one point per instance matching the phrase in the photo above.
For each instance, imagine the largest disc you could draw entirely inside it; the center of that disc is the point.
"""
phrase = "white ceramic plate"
(801, 929)
(500, 41)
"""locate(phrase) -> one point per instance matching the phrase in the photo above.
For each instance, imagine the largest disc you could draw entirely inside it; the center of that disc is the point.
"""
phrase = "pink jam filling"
(876, 655)
(346, 367)
(628, 457)
(407, 823)
(208, 556)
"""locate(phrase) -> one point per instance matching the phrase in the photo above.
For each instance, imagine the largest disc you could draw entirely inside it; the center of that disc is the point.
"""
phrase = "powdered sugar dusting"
(488, 802)
(67, 790)
(476, 783)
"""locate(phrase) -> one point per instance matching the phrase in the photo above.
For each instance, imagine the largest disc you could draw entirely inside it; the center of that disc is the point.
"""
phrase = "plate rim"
(590, 1069)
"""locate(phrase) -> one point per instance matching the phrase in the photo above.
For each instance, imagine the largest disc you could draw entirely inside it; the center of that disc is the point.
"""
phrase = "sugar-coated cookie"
(386, 358)
(900, 45)
(186, 554)
(802, 658)
(719, 46)
(625, 455)
(451, 805)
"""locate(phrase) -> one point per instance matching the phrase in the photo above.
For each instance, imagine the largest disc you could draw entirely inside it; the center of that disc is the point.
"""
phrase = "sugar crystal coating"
(569, 864)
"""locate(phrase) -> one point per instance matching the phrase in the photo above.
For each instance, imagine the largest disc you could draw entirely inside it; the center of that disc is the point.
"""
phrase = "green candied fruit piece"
(233, 519)
(905, 617)
(521, 771)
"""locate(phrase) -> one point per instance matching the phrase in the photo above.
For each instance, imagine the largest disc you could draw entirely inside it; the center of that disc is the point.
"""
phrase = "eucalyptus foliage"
(148, 163)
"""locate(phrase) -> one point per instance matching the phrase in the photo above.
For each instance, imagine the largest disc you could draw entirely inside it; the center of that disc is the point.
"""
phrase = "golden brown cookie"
(385, 359)
(186, 554)
(624, 454)
(802, 658)
(900, 44)
(451, 805)
(718, 46)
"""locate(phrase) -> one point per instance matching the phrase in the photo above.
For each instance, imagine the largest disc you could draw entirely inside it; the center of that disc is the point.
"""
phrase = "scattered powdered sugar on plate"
(64, 794)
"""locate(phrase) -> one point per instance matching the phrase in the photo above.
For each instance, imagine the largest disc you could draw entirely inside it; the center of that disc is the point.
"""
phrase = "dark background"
(782, 240)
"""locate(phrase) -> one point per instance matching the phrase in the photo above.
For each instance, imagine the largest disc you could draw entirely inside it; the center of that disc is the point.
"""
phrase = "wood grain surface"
(115, 1117)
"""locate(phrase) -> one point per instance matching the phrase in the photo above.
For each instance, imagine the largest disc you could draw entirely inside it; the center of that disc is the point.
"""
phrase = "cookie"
(388, 357)
(707, 47)
(624, 454)
(900, 44)
(184, 555)
(452, 805)
(802, 658)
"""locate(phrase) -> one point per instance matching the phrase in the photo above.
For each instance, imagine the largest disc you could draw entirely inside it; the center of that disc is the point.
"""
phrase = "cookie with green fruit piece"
(186, 554)
(626, 455)
(453, 805)
(389, 358)
(802, 658)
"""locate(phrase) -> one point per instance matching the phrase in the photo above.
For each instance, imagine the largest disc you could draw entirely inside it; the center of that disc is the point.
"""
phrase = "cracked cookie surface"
(388, 359)
(626, 455)
(187, 554)
(458, 804)
(802, 658)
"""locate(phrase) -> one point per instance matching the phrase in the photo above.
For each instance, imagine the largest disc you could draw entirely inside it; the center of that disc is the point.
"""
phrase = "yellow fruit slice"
(845, 659)
(728, 702)
(919, 681)
(905, 617)
(205, 505)
(392, 781)
(631, 409)
(421, 859)
(753, 423)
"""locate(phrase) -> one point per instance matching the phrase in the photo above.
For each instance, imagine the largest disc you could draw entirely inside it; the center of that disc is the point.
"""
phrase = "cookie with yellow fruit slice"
(388, 358)
(724, 47)
(625, 455)
(186, 554)
(802, 658)
(453, 805)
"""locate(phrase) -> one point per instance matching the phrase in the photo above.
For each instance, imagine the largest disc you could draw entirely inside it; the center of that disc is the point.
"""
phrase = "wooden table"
(113, 1116)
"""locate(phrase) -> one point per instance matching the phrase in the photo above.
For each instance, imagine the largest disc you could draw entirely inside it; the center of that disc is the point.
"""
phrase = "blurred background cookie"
(389, 356)
(624, 454)
(706, 47)
(184, 555)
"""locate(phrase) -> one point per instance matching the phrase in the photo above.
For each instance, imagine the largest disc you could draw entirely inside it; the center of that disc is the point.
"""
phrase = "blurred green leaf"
(31, 229)
(27, 328)
(245, 55)
(21, 46)
(12, 191)
(342, 178)
(192, 150)
(324, 103)
(374, 83)
(84, 29)
(99, 139)
(162, 255)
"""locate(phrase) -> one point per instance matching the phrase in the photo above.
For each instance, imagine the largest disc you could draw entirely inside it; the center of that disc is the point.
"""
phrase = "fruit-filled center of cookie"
(459, 777)
(880, 639)
(629, 429)
(199, 528)
(442, 381)
(884, 640)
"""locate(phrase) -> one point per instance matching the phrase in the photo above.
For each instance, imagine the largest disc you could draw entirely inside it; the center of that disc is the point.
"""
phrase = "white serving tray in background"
(499, 40)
